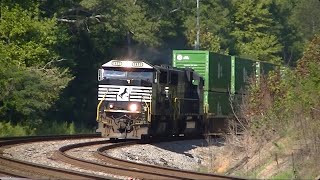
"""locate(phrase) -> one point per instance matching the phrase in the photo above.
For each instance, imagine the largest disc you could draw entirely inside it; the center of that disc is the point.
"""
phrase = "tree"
(30, 81)
(306, 15)
(214, 24)
(286, 31)
(308, 65)
(208, 41)
(252, 30)
(27, 39)
(27, 93)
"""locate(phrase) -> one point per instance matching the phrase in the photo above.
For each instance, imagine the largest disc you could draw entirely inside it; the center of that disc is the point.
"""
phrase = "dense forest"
(50, 50)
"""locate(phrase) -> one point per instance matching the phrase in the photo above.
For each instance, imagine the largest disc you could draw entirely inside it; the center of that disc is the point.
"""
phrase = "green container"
(224, 76)
(244, 70)
(220, 73)
(219, 104)
(214, 68)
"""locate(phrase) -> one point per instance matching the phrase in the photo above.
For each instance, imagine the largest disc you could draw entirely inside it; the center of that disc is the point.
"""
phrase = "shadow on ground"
(183, 147)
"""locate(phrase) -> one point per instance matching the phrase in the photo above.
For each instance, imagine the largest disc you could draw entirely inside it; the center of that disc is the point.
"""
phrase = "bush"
(7, 129)
(287, 108)
(56, 128)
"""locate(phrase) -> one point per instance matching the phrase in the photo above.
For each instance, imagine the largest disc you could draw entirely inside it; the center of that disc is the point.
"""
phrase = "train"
(138, 100)
(194, 96)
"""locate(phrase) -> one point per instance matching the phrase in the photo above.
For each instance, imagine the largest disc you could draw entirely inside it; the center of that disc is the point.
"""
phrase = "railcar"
(225, 79)
(138, 100)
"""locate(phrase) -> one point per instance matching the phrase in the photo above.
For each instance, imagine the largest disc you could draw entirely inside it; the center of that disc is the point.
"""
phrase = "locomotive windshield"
(137, 75)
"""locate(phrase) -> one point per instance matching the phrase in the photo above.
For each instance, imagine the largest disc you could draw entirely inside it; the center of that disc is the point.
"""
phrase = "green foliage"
(26, 93)
(288, 107)
(214, 24)
(286, 174)
(30, 84)
(252, 30)
(57, 128)
(306, 16)
(27, 39)
(7, 129)
(38, 38)
(286, 31)
(207, 40)
(126, 18)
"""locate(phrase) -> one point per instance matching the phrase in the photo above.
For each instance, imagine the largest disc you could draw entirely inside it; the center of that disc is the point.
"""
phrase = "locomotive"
(137, 100)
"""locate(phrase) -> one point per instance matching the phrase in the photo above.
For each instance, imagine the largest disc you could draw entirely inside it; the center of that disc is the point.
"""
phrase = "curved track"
(7, 173)
(18, 168)
(30, 170)
(129, 168)
(177, 173)
(118, 170)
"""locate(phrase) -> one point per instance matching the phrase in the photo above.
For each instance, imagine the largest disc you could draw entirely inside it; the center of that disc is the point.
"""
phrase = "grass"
(203, 169)
(286, 174)
(8, 129)
(48, 128)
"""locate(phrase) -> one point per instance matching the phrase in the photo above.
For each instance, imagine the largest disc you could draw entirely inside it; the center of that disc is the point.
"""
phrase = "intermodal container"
(214, 68)
(216, 71)
(224, 75)
(244, 69)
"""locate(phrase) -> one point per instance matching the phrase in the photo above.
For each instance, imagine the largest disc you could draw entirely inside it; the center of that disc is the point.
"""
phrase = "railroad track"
(37, 171)
(117, 167)
(179, 174)
(7, 173)
(109, 169)
(128, 168)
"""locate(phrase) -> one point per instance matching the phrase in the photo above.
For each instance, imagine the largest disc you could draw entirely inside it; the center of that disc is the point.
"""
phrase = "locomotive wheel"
(145, 138)
(113, 140)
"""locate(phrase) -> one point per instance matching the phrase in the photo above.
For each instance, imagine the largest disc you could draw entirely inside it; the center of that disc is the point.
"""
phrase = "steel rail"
(4, 141)
(33, 170)
(129, 168)
(116, 170)
(182, 174)
(10, 174)
(45, 171)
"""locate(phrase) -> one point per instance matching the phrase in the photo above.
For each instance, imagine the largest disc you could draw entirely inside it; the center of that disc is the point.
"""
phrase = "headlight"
(133, 107)
(111, 106)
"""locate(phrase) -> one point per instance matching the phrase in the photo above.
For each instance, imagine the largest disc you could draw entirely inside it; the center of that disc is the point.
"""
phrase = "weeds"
(48, 128)
(7, 129)
(283, 109)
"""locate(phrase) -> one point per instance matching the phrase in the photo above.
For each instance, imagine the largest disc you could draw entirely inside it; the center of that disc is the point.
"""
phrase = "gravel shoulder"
(193, 155)
(43, 153)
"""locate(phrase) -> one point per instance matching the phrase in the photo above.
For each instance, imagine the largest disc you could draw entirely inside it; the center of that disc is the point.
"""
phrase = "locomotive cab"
(124, 99)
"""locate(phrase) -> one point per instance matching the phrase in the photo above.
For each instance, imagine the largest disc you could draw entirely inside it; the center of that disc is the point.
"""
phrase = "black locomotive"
(138, 100)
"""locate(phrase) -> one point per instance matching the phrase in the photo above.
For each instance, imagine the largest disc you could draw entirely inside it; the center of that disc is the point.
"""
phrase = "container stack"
(225, 78)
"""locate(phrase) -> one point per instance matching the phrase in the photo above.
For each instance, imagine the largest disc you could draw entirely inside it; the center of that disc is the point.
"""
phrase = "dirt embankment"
(281, 158)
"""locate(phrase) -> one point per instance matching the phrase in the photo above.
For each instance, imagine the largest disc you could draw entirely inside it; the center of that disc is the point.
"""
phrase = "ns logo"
(123, 94)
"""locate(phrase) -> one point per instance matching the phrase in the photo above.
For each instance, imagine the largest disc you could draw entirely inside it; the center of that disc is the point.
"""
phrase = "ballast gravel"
(43, 153)
(193, 155)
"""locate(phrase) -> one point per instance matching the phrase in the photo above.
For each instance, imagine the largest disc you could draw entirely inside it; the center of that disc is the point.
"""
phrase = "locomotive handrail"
(149, 109)
(124, 111)
(98, 107)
